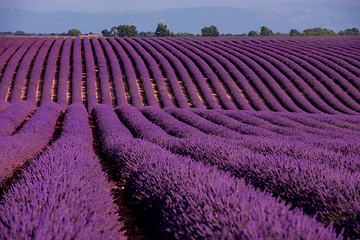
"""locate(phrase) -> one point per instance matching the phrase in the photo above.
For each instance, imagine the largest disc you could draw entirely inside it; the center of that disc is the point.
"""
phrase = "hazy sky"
(143, 5)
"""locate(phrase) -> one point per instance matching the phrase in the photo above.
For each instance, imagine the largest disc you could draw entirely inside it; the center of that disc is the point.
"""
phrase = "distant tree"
(106, 33)
(294, 32)
(127, 31)
(74, 32)
(6, 33)
(162, 31)
(265, 31)
(211, 31)
(147, 34)
(352, 31)
(183, 34)
(20, 33)
(318, 32)
(253, 34)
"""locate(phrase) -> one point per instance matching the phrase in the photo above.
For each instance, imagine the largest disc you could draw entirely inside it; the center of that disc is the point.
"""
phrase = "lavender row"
(30, 140)
(328, 69)
(312, 102)
(142, 71)
(223, 75)
(23, 70)
(49, 76)
(11, 66)
(6, 55)
(63, 78)
(315, 84)
(196, 74)
(35, 76)
(289, 85)
(344, 103)
(3, 105)
(229, 61)
(174, 194)
(170, 64)
(76, 77)
(116, 73)
(132, 87)
(91, 91)
(214, 82)
(13, 116)
(103, 72)
(6, 43)
(63, 194)
(316, 188)
(156, 74)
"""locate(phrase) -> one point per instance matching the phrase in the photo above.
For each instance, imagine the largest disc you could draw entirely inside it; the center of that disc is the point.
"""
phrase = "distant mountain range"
(279, 18)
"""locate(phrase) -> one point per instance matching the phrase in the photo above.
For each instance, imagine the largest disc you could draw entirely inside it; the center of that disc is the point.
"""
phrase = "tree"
(265, 31)
(353, 31)
(318, 32)
(74, 32)
(162, 31)
(127, 31)
(294, 32)
(211, 31)
(253, 34)
(106, 33)
(147, 34)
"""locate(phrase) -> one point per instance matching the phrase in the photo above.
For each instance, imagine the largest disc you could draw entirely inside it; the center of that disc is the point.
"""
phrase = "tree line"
(211, 31)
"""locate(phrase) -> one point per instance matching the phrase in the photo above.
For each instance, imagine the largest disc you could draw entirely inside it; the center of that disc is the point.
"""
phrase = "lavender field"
(180, 138)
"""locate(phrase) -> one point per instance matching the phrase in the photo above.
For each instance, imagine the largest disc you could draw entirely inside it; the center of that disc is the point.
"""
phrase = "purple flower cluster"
(8, 75)
(91, 90)
(180, 198)
(103, 72)
(23, 70)
(14, 115)
(63, 194)
(63, 79)
(34, 82)
(11, 47)
(130, 76)
(5, 43)
(116, 73)
(76, 77)
(3, 105)
(29, 141)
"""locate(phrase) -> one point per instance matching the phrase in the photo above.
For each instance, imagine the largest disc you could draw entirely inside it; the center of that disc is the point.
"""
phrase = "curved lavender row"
(8, 75)
(257, 84)
(50, 69)
(316, 188)
(91, 93)
(308, 92)
(336, 62)
(198, 195)
(292, 62)
(344, 103)
(181, 60)
(23, 69)
(29, 141)
(63, 79)
(76, 77)
(6, 43)
(231, 123)
(206, 70)
(103, 72)
(13, 116)
(228, 61)
(3, 105)
(337, 121)
(133, 89)
(5, 56)
(223, 75)
(165, 58)
(67, 182)
(156, 74)
(170, 124)
(36, 71)
(141, 68)
(287, 79)
(328, 69)
(116, 74)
